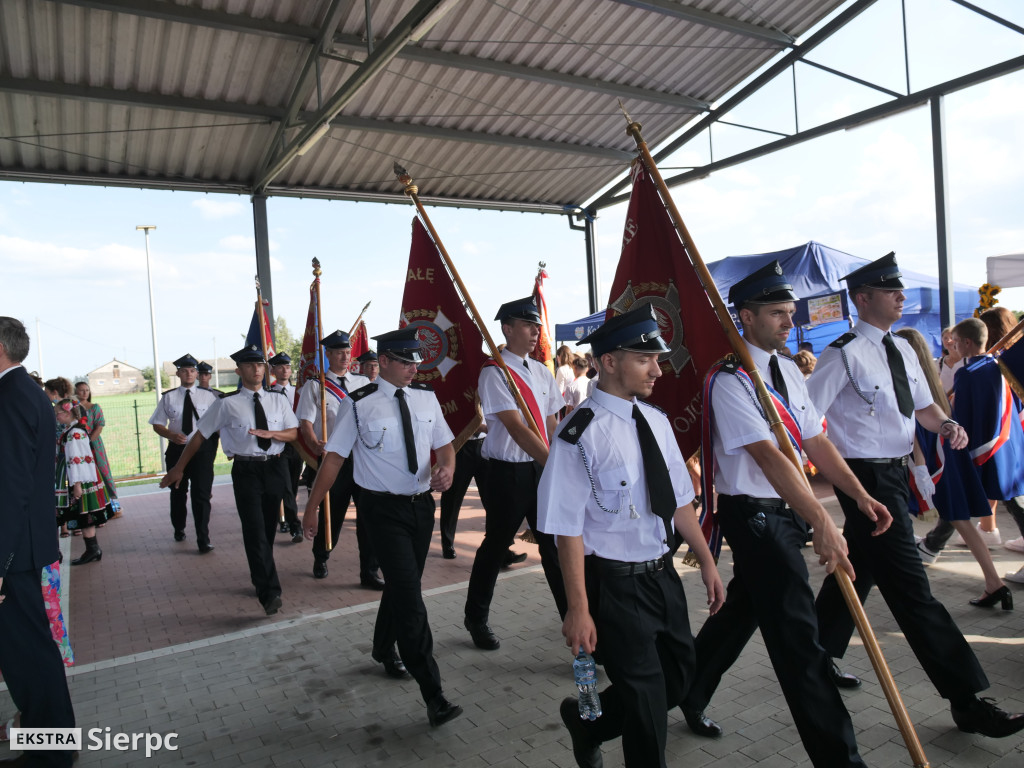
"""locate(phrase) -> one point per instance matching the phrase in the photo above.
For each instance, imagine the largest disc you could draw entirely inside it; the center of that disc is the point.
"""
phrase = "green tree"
(286, 342)
(147, 374)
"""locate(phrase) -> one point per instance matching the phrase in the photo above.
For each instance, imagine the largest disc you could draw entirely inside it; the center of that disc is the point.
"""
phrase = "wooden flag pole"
(328, 543)
(1008, 340)
(413, 192)
(356, 323)
(899, 711)
(263, 339)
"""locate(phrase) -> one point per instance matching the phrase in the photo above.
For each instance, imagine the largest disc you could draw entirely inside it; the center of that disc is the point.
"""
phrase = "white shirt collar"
(617, 405)
(760, 357)
(870, 332)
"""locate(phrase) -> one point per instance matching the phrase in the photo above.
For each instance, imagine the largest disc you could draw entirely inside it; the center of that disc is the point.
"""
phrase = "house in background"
(115, 378)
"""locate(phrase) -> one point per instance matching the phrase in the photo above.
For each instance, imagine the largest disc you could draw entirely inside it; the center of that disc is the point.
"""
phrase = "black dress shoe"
(448, 553)
(483, 637)
(984, 717)
(283, 528)
(842, 679)
(440, 710)
(179, 535)
(1001, 595)
(296, 537)
(204, 548)
(273, 605)
(393, 665)
(585, 746)
(512, 558)
(371, 581)
(701, 724)
(319, 569)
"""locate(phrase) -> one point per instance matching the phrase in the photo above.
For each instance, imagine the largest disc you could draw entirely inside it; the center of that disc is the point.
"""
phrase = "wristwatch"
(948, 421)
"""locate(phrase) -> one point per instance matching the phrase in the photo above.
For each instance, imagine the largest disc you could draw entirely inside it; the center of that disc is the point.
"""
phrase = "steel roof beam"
(903, 103)
(138, 99)
(747, 90)
(187, 14)
(710, 19)
(533, 74)
(476, 137)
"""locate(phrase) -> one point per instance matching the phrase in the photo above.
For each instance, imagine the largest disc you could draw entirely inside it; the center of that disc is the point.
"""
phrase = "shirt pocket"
(423, 427)
(614, 485)
(238, 430)
(876, 388)
(385, 434)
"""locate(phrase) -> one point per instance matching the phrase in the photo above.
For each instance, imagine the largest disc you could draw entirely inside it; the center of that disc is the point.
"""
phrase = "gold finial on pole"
(316, 267)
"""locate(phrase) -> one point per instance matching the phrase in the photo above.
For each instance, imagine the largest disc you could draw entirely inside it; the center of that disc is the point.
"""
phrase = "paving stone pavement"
(300, 689)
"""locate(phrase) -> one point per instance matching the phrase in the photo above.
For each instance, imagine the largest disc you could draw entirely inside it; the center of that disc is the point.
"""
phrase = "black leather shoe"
(393, 665)
(296, 537)
(585, 747)
(984, 717)
(842, 679)
(701, 724)
(448, 553)
(179, 535)
(483, 637)
(204, 548)
(319, 569)
(283, 528)
(371, 581)
(440, 710)
(273, 605)
(512, 558)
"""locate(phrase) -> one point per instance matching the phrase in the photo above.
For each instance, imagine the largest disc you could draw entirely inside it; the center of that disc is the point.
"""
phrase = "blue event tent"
(816, 272)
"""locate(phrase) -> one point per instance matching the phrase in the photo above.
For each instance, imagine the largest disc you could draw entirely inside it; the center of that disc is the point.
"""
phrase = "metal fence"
(133, 448)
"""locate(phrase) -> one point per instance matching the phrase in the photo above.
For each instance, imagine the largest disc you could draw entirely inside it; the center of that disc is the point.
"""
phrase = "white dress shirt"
(369, 432)
(235, 414)
(171, 408)
(737, 421)
(868, 425)
(565, 498)
(287, 389)
(308, 408)
(496, 397)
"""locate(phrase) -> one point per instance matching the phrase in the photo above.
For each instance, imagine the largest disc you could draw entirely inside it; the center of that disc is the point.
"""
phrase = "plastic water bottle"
(585, 672)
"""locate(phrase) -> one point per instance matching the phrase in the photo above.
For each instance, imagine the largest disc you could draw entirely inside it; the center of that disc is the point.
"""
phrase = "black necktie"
(659, 485)
(899, 376)
(341, 381)
(188, 411)
(778, 382)
(526, 364)
(261, 421)
(410, 441)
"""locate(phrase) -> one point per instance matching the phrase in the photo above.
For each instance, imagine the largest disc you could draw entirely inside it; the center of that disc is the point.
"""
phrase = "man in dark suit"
(29, 659)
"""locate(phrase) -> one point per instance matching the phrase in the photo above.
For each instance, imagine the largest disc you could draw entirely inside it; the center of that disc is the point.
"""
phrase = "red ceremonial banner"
(654, 269)
(544, 351)
(311, 360)
(452, 345)
(360, 344)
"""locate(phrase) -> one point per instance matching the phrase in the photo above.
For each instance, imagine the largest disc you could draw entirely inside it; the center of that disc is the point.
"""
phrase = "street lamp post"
(152, 323)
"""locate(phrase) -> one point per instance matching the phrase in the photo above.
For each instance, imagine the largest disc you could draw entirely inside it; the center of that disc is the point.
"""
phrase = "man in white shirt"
(281, 369)
(515, 455)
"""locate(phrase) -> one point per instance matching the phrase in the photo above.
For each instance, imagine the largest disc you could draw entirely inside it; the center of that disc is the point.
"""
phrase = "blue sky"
(72, 258)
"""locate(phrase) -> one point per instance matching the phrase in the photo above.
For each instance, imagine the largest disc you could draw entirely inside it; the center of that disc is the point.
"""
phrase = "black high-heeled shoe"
(1002, 595)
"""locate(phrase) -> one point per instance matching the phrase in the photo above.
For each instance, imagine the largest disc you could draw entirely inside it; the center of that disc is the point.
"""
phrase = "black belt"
(901, 461)
(413, 497)
(259, 458)
(774, 504)
(619, 568)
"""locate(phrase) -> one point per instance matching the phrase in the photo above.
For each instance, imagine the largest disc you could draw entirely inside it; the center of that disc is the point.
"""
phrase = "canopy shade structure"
(1006, 271)
(578, 329)
(510, 105)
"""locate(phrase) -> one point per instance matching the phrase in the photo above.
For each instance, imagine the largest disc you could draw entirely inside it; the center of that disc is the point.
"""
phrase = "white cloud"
(220, 207)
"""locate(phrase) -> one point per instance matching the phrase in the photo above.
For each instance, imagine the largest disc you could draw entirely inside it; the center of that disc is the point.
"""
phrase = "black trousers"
(197, 482)
(469, 465)
(291, 507)
(259, 488)
(31, 663)
(342, 492)
(509, 496)
(892, 562)
(770, 590)
(645, 644)
(401, 529)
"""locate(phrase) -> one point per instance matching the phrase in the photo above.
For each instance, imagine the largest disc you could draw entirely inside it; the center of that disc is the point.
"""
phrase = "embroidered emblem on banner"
(440, 342)
(664, 299)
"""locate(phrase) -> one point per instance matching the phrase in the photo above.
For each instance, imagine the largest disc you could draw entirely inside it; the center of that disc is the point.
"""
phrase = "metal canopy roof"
(489, 103)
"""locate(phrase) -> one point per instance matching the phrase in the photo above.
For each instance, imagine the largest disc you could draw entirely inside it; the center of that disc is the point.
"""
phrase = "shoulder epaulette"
(168, 391)
(843, 340)
(421, 385)
(276, 392)
(362, 392)
(577, 425)
(231, 394)
(732, 365)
